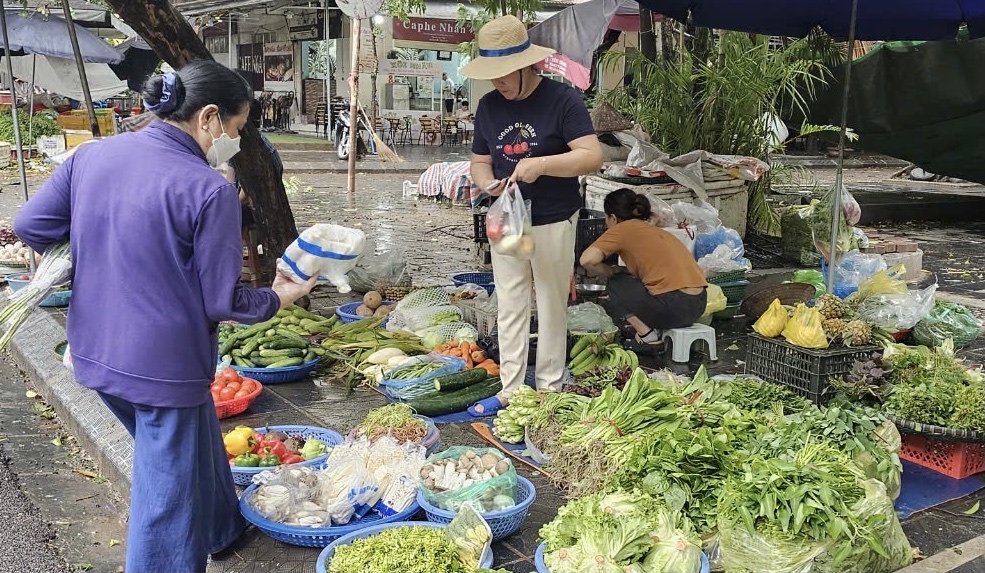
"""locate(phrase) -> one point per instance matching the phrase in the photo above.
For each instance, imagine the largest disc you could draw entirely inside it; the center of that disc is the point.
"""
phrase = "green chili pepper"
(247, 461)
(269, 461)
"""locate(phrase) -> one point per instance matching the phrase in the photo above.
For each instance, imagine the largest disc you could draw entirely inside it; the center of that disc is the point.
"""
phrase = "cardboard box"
(51, 146)
(74, 137)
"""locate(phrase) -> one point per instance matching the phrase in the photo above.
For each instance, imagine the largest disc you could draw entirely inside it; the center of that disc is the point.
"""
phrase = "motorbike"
(364, 135)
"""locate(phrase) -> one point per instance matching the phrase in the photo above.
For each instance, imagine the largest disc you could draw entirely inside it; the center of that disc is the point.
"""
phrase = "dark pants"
(449, 104)
(628, 297)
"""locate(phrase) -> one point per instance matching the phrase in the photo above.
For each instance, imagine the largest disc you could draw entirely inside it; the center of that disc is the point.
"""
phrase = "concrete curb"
(79, 409)
(363, 167)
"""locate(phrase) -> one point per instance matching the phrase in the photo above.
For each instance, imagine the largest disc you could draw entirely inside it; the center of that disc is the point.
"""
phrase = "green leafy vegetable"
(44, 126)
(399, 550)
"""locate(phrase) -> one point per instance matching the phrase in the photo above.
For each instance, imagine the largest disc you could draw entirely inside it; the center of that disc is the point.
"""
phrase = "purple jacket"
(157, 254)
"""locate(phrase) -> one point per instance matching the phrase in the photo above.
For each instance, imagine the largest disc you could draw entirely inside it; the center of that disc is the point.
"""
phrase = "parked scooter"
(364, 134)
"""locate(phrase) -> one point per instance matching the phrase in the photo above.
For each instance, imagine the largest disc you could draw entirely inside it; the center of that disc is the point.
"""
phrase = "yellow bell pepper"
(240, 441)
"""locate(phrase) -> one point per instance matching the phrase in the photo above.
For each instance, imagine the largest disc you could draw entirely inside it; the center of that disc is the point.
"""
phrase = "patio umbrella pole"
(839, 175)
(93, 124)
(30, 103)
(354, 104)
(13, 115)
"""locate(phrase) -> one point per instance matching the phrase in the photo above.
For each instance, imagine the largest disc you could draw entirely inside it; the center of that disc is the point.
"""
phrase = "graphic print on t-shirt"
(517, 141)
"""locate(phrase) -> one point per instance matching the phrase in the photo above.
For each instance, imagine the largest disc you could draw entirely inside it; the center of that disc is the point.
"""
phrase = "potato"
(373, 300)
(382, 311)
(363, 310)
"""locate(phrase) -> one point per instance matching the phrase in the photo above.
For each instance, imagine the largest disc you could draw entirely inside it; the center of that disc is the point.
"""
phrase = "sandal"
(653, 334)
(489, 407)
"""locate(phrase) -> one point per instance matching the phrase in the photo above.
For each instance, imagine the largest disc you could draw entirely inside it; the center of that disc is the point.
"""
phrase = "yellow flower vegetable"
(773, 320)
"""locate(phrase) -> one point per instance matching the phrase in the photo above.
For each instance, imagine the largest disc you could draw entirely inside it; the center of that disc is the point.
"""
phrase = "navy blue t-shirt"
(539, 126)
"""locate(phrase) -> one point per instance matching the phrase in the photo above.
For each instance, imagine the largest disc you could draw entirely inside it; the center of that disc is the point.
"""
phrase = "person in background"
(536, 132)
(463, 112)
(157, 255)
(665, 287)
(448, 93)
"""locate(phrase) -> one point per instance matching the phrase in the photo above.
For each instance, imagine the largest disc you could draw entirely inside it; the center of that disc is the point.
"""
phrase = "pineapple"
(831, 306)
(857, 333)
(833, 328)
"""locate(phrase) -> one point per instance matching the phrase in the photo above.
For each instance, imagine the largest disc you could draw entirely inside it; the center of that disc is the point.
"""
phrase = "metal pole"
(229, 45)
(93, 123)
(502, 6)
(839, 183)
(354, 103)
(30, 94)
(648, 40)
(13, 113)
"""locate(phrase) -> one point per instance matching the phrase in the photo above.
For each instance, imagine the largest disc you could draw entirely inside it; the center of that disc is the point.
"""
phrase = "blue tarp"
(877, 19)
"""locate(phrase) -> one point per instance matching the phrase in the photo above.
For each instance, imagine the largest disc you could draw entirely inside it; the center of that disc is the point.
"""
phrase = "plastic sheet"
(857, 267)
(386, 269)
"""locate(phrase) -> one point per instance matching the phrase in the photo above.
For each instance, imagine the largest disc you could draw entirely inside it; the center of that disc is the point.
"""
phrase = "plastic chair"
(430, 131)
(683, 338)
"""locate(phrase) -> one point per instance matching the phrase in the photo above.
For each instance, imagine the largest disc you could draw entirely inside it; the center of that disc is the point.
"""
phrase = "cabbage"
(674, 554)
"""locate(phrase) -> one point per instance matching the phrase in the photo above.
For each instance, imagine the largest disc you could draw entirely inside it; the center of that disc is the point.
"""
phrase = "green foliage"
(44, 126)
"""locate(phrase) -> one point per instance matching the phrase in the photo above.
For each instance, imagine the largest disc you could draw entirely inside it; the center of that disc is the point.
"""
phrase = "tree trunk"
(175, 41)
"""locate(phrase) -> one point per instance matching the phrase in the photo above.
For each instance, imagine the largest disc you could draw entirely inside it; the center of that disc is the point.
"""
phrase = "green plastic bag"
(485, 496)
(947, 320)
(813, 278)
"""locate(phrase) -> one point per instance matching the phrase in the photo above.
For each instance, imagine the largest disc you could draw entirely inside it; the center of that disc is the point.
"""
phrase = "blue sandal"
(489, 405)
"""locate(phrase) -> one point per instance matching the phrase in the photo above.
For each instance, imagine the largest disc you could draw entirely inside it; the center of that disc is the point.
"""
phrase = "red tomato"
(248, 385)
(508, 149)
(230, 375)
(215, 397)
(226, 393)
(217, 387)
(241, 394)
(235, 385)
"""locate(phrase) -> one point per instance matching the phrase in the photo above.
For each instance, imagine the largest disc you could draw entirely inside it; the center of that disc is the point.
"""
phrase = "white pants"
(550, 273)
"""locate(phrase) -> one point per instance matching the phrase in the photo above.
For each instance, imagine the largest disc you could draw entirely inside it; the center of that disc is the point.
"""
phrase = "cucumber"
(287, 362)
(440, 403)
(459, 380)
(283, 353)
(287, 342)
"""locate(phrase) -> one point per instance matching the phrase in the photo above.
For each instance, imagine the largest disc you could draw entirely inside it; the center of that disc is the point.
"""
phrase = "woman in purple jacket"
(157, 256)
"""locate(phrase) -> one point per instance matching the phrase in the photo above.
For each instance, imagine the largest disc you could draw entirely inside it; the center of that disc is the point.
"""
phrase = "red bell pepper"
(291, 459)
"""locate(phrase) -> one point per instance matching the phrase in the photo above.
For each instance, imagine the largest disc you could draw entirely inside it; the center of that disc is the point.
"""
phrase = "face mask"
(223, 148)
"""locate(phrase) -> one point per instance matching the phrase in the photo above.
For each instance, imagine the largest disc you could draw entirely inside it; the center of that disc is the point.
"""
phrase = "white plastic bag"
(323, 250)
(699, 216)
(662, 215)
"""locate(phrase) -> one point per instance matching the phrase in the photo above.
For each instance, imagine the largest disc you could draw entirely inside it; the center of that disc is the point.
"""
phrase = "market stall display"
(13, 253)
(55, 269)
(398, 421)
(598, 350)
(61, 296)
(233, 394)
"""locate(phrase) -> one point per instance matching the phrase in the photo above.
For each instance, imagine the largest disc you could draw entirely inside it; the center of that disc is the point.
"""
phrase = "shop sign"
(432, 31)
(249, 58)
(410, 68)
(307, 26)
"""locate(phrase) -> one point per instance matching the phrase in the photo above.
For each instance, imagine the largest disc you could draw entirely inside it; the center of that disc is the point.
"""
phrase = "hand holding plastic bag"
(323, 250)
(508, 224)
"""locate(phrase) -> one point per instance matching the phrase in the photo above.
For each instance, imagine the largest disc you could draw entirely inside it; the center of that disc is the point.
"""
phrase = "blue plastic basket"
(542, 567)
(347, 312)
(244, 476)
(503, 523)
(267, 376)
(321, 566)
(315, 536)
(485, 280)
(55, 299)
(414, 387)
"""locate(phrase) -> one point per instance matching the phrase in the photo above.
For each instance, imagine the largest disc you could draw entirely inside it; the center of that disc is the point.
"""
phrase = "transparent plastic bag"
(468, 293)
(662, 214)
(589, 318)
(55, 269)
(413, 387)
(471, 536)
(508, 225)
(698, 216)
(437, 335)
(723, 259)
(850, 208)
(708, 243)
(821, 221)
(947, 320)
(741, 550)
(797, 241)
(897, 312)
(323, 250)
(347, 489)
(395, 467)
(857, 267)
(876, 509)
(886, 281)
(485, 496)
(386, 269)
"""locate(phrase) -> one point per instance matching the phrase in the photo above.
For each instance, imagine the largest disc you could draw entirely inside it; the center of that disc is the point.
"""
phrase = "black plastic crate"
(804, 371)
(479, 228)
(591, 226)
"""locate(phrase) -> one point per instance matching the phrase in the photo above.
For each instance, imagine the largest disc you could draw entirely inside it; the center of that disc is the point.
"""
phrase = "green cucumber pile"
(277, 343)
(456, 392)
(597, 350)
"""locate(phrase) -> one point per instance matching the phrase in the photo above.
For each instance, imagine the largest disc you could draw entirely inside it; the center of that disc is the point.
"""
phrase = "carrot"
(478, 356)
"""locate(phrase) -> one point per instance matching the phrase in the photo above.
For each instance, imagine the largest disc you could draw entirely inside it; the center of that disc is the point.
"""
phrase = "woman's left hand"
(529, 169)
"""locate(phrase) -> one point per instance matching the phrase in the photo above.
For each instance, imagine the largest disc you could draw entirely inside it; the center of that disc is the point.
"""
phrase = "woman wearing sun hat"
(537, 133)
